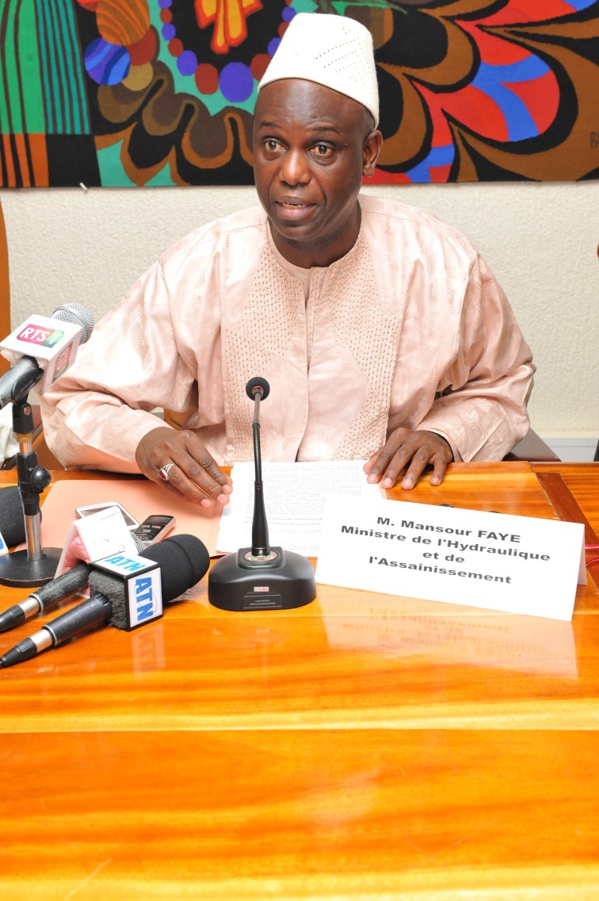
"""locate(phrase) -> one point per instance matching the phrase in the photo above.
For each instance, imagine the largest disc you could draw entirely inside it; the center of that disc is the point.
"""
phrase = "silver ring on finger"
(164, 471)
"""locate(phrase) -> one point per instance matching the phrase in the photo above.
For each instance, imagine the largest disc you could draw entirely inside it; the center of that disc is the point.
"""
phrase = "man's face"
(312, 146)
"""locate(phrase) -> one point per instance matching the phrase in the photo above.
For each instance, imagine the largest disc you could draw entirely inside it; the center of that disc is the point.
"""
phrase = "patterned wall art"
(161, 92)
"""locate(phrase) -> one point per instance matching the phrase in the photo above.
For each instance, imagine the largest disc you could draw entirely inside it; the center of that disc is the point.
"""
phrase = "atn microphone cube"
(133, 585)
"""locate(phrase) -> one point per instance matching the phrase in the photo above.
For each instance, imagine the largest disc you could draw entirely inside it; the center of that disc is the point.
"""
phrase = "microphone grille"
(77, 315)
(257, 385)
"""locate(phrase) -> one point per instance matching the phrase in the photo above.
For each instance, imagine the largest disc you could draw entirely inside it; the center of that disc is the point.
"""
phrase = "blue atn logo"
(144, 598)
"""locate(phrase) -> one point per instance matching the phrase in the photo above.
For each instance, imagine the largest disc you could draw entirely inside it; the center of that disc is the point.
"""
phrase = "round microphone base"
(281, 581)
(19, 571)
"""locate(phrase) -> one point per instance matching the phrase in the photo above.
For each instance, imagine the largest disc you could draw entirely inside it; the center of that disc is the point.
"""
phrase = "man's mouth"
(293, 211)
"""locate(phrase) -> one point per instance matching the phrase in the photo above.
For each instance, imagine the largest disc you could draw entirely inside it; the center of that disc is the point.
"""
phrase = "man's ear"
(370, 152)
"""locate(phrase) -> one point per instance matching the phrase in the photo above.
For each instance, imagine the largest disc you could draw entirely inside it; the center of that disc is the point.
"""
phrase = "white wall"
(540, 240)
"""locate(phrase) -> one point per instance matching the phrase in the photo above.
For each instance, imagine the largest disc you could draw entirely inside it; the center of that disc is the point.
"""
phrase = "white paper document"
(294, 498)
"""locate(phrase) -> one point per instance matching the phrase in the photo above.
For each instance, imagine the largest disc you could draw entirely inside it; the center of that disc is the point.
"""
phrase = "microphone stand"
(260, 577)
(260, 545)
(35, 565)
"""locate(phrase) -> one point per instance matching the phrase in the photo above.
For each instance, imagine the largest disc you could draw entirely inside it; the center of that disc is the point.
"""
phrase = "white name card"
(517, 564)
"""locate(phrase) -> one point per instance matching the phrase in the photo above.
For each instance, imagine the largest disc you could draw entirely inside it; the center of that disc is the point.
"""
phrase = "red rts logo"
(37, 334)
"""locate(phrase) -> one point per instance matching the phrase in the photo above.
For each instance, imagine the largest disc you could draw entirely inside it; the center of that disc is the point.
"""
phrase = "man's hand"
(406, 455)
(195, 475)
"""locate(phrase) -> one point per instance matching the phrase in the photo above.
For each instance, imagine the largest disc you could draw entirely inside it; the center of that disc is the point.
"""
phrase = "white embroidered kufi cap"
(334, 51)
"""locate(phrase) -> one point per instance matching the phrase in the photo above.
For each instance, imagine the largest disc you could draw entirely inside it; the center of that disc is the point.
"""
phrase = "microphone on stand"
(41, 349)
(260, 577)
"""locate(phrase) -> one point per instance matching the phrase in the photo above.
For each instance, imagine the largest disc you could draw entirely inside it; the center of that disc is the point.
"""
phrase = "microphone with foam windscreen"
(126, 592)
(52, 593)
(12, 522)
(261, 577)
(108, 533)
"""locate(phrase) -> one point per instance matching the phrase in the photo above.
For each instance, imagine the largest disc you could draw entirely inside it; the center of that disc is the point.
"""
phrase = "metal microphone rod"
(32, 477)
(260, 543)
(35, 565)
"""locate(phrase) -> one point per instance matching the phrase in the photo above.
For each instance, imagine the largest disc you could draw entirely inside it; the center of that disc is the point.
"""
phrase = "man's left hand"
(406, 455)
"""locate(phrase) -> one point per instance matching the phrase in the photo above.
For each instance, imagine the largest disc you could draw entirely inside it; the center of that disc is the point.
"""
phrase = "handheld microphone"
(50, 594)
(124, 593)
(46, 597)
(261, 577)
(42, 352)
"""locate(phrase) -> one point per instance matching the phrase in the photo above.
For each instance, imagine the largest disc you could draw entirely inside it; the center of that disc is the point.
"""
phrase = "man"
(383, 334)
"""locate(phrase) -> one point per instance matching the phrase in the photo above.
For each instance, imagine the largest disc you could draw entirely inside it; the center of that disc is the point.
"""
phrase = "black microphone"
(258, 389)
(12, 517)
(261, 577)
(46, 597)
(40, 352)
(50, 594)
(118, 582)
(35, 347)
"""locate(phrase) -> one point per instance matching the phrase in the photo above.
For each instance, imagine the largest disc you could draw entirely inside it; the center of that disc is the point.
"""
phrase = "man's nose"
(295, 169)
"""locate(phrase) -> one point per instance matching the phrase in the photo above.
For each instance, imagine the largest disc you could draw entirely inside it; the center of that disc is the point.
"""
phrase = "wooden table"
(582, 483)
(364, 746)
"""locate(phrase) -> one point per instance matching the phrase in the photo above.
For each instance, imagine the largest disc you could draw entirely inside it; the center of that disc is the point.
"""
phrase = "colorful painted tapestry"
(161, 92)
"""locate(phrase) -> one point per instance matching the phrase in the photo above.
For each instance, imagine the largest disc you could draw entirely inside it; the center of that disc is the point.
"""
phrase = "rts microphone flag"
(41, 349)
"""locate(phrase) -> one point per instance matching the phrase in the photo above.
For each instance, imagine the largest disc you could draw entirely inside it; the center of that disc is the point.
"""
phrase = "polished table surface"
(581, 480)
(364, 746)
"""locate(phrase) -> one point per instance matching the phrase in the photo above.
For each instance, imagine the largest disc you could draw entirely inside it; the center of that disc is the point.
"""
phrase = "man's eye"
(272, 145)
(322, 150)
